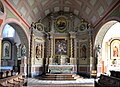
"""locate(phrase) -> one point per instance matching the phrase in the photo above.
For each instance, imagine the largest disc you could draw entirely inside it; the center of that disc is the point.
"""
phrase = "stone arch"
(99, 40)
(102, 31)
(21, 31)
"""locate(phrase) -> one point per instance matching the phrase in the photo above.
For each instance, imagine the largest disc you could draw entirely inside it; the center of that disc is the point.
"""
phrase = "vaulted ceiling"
(91, 10)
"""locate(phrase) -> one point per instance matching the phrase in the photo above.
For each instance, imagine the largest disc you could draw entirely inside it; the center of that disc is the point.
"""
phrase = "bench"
(13, 81)
(4, 73)
(107, 81)
(115, 74)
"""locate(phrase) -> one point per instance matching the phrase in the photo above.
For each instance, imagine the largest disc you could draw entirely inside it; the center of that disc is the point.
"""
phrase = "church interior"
(63, 43)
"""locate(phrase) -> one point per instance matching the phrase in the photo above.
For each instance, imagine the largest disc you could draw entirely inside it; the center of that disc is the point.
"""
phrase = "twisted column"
(31, 46)
(51, 48)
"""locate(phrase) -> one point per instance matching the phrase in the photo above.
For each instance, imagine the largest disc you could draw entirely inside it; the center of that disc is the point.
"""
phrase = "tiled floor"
(32, 82)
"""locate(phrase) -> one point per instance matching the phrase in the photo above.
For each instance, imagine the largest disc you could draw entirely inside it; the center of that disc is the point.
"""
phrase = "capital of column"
(51, 35)
(72, 35)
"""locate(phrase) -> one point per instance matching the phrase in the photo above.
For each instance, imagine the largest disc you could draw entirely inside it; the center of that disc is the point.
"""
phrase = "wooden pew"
(115, 74)
(13, 81)
(8, 73)
(1, 75)
(107, 81)
(22, 80)
(4, 74)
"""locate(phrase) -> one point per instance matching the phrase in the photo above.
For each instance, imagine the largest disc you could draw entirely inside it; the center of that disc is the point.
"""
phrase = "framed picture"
(61, 24)
(115, 49)
(60, 47)
(6, 50)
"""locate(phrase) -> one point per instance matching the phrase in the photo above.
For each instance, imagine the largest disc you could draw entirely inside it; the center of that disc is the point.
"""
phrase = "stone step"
(57, 77)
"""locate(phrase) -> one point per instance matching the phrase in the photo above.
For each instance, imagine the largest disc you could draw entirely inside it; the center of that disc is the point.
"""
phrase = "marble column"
(23, 69)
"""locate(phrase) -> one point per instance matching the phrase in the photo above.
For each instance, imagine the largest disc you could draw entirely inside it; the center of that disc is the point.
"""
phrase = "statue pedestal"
(24, 66)
(63, 61)
(50, 61)
(72, 61)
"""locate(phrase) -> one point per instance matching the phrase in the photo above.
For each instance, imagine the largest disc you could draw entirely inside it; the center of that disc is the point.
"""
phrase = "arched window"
(8, 31)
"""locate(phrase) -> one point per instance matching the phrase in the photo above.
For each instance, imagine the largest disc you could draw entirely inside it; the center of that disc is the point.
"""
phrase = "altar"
(59, 69)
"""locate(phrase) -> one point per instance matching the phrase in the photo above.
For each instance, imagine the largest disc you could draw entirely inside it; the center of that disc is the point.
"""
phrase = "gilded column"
(75, 49)
(51, 49)
(71, 41)
(72, 48)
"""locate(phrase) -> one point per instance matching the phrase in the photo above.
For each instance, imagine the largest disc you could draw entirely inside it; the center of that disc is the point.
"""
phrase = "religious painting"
(6, 50)
(61, 24)
(60, 47)
(115, 49)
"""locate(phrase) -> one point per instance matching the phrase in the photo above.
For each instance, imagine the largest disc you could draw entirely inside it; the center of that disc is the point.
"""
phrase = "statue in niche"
(23, 50)
(84, 52)
(38, 51)
(6, 51)
(19, 50)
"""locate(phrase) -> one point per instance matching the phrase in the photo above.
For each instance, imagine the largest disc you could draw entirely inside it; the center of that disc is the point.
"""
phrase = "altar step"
(33, 82)
(57, 77)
